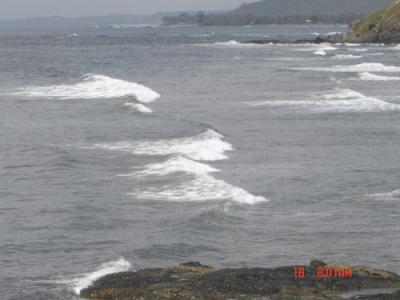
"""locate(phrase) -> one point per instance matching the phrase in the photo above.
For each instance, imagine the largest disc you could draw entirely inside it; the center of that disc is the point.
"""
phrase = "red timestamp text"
(324, 272)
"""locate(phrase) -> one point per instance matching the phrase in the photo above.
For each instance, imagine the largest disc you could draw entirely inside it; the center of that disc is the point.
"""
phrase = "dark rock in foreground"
(193, 281)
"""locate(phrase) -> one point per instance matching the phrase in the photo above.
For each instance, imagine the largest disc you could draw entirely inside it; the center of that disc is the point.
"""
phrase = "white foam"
(346, 56)
(375, 54)
(375, 77)
(333, 33)
(228, 43)
(341, 100)
(352, 44)
(197, 183)
(174, 165)
(138, 107)
(79, 282)
(200, 186)
(208, 146)
(390, 196)
(364, 67)
(317, 49)
(323, 48)
(92, 86)
(233, 43)
(320, 52)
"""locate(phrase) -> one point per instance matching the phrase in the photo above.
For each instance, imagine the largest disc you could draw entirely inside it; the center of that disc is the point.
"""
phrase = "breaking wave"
(346, 56)
(317, 49)
(233, 43)
(364, 67)
(320, 52)
(228, 43)
(323, 48)
(390, 196)
(333, 33)
(138, 107)
(92, 86)
(208, 145)
(195, 182)
(352, 44)
(375, 77)
(342, 100)
(79, 282)
(198, 186)
(174, 165)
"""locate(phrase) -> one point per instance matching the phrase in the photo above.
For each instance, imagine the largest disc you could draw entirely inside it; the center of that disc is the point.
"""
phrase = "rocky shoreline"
(381, 27)
(193, 281)
(331, 39)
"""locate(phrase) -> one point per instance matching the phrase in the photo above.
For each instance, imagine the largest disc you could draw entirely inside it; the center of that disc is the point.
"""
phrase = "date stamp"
(325, 272)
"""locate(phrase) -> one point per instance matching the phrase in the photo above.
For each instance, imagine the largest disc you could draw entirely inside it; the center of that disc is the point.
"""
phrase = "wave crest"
(363, 67)
(196, 182)
(346, 56)
(233, 43)
(92, 86)
(390, 196)
(342, 100)
(207, 146)
(79, 282)
(375, 77)
(174, 165)
(200, 186)
(138, 107)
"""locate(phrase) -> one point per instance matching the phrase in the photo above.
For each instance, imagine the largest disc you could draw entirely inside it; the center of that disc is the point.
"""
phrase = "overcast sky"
(11, 9)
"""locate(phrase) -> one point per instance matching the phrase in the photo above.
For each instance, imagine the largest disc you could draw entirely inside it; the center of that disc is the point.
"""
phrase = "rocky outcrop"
(380, 27)
(332, 39)
(193, 281)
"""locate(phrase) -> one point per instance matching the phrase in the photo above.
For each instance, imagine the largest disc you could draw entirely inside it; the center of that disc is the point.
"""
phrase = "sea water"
(124, 148)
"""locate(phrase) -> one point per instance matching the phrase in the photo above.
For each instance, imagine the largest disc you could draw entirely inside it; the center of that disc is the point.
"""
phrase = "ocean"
(125, 148)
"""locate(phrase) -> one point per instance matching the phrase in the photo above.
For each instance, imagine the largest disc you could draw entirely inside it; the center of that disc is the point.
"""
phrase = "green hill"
(286, 12)
(380, 27)
(280, 8)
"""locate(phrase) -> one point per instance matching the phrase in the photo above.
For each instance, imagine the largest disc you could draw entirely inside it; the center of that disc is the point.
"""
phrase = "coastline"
(317, 281)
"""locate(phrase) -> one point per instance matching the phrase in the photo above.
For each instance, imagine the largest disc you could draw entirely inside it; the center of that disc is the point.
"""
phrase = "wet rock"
(392, 296)
(192, 281)
(332, 39)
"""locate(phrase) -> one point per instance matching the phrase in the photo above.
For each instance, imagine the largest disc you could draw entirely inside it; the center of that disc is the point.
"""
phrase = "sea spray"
(208, 146)
(91, 86)
(198, 186)
(363, 67)
(185, 154)
(340, 101)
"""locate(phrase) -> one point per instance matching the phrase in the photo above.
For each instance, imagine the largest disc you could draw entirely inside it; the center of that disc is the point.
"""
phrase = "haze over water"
(125, 148)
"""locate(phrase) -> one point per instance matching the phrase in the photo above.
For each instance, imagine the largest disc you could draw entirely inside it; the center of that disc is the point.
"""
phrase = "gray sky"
(11, 9)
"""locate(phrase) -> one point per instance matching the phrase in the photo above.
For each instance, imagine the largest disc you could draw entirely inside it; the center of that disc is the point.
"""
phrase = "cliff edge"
(380, 27)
